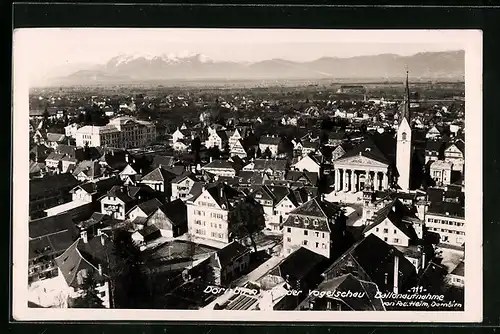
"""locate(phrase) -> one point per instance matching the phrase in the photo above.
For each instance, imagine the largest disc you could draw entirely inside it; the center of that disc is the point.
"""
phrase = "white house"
(440, 172)
(308, 163)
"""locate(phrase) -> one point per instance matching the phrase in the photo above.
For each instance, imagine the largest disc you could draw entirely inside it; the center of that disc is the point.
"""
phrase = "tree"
(246, 220)
(129, 273)
(90, 297)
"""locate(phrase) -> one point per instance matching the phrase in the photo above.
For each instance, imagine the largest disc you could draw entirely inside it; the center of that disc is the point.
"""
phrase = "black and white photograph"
(291, 175)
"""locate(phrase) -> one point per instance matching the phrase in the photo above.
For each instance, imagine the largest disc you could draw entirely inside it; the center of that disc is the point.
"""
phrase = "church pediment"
(360, 161)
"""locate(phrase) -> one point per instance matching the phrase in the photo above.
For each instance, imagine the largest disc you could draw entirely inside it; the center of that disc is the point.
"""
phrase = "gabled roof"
(89, 168)
(99, 187)
(52, 183)
(270, 140)
(148, 230)
(398, 214)
(55, 137)
(159, 175)
(163, 161)
(176, 211)
(150, 206)
(350, 283)
(223, 194)
(274, 164)
(459, 144)
(376, 263)
(85, 256)
(219, 163)
(50, 235)
(298, 265)
(55, 156)
(367, 149)
(186, 175)
(316, 208)
(231, 252)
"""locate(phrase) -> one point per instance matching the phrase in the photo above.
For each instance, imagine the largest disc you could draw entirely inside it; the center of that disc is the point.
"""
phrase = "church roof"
(367, 149)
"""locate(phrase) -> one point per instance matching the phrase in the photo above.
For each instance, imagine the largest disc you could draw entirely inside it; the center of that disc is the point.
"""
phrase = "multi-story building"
(455, 153)
(312, 225)
(440, 172)
(448, 220)
(182, 185)
(217, 139)
(208, 211)
(120, 132)
(270, 142)
(221, 168)
(49, 191)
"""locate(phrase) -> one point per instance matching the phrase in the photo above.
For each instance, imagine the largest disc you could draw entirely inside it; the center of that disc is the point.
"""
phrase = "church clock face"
(403, 136)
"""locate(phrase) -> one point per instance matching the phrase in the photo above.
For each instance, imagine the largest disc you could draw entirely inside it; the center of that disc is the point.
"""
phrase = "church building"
(404, 148)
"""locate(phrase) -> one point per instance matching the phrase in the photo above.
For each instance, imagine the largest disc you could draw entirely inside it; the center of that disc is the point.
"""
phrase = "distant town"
(332, 197)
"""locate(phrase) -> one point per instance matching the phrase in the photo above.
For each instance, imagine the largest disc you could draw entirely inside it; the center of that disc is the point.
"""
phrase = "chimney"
(396, 274)
(211, 159)
(222, 191)
(83, 236)
(126, 157)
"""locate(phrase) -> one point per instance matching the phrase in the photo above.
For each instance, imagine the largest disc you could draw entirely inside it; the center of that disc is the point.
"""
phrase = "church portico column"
(386, 181)
(353, 181)
(337, 176)
(346, 180)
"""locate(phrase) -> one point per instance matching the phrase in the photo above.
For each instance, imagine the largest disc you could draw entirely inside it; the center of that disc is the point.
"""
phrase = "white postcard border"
(472, 44)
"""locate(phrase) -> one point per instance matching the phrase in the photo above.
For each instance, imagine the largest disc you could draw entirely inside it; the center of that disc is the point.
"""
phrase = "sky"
(50, 49)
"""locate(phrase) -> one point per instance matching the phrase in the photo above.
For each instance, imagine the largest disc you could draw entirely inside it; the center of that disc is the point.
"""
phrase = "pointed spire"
(406, 100)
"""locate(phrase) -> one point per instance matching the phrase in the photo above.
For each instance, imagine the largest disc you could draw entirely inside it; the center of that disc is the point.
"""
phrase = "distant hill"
(449, 65)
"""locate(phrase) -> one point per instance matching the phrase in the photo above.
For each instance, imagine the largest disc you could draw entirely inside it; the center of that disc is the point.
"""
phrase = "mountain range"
(137, 68)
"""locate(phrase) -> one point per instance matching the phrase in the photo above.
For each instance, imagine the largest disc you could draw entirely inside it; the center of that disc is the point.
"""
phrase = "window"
(306, 232)
(317, 244)
(289, 229)
(386, 230)
(377, 229)
(323, 236)
(323, 246)
(289, 239)
(304, 242)
(395, 231)
(317, 234)
(403, 136)
(385, 239)
(396, 240)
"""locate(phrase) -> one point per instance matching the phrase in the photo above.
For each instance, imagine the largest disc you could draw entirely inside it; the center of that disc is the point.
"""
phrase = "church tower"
(404, 142)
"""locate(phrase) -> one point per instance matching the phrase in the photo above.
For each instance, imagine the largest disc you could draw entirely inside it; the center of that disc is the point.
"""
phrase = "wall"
(294, 237)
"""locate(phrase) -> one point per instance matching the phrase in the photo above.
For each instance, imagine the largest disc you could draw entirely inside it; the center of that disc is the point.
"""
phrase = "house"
(182, 145)
(221, 168)
(230, 262)
(87, 256)
(440, 172)
(159, 180)
(114, 160)
(170, 218)
(274, 169)
(163, 161)
(48, 238)
(217, 139)
(313, 225)
(344, 293)
(393, 224)
(180, 134)
(54, 161)
(298, 273)
(306, 147)
(208, 211)
(37, 170)
(308, 163)
(143, 209)
(302, 178)
(433, 133)
(49, 191)
(40, 137)
(238, 135)
(386, 267)
(270, 142)
(434, 150)
(91, 191)
(55, 139)
(338, 152)
(448, 220)
(238, 149)
(457, 276)
(121, 199)
(145, 235)
(39, 153)
(88, 170)
(182, 185)
(455, 154)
